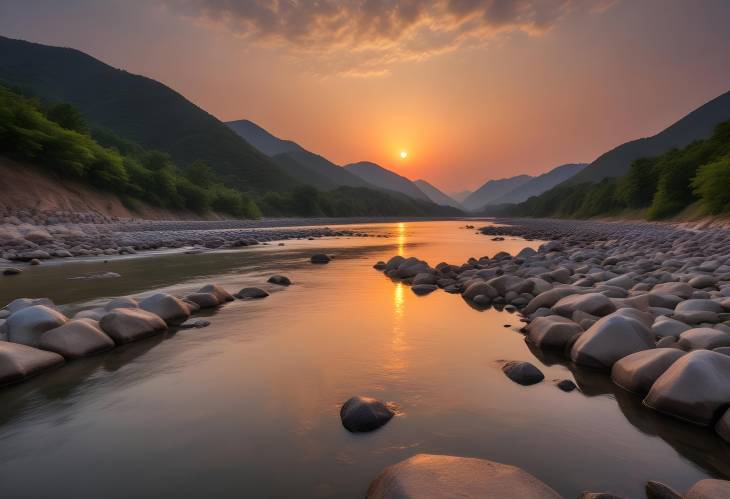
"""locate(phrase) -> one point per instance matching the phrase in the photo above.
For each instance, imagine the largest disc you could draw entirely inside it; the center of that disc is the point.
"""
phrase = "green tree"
(68, 117)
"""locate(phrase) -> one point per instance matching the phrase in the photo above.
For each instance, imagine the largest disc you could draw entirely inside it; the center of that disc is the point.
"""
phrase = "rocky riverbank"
(649, 304)
(27, 235)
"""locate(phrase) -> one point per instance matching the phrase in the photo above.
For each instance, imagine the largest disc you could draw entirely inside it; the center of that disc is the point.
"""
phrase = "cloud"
(368, 37)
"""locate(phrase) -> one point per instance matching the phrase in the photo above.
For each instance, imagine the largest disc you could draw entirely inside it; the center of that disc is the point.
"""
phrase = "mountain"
(699, 124)
(436, 195)
(493, 190)
(261, 139)
(385, 179)
(138, 109)
(312, 169)
(537, 185)
(460, 196)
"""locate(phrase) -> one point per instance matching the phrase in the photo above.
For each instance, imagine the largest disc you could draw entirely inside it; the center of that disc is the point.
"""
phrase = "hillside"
(492, 190)
(138, 109)
(261, 139)
(312, 169)
(460, 196)
(385, 179)
(541, 183)
(698, 124)
(436, 195)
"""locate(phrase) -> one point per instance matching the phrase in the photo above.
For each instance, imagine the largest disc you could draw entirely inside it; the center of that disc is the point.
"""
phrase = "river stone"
(681, 289)
(203, 300)
(21, 303)
(424, 289)
(26, 325)
(394, 262)
(428, 476)
(610, 339)
(91, 313)
(703, 337)
(320, 258)
(19, 362)
(722, 350)
(549, 298)
(172, 310)
(11, 271)
(522, 373)
(702, 281)
(701, 305)
(666, 326)
(709, 489)
(77, 338)
(566, 385)
(553, 331)
(125, 325)
(123, 302)
(280, 280)
(723, 426)
(638, 372)
(591, 303)
(424, 278)
(693, 388)
(479, 288)
(362, 414)
(220, 293)
(251, 294)
(622, 281)
(658, 490)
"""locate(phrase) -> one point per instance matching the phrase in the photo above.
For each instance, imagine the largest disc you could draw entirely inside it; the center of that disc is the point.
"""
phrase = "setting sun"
(403, 154)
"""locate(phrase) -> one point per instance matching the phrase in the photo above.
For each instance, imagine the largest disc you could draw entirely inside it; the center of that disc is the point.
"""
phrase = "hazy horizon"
(472, 90)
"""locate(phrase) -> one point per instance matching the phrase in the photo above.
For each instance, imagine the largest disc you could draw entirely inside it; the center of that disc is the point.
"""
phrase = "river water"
(249, 406)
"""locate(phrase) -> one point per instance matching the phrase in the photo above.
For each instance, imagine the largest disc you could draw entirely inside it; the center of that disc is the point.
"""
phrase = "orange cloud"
(367, 37)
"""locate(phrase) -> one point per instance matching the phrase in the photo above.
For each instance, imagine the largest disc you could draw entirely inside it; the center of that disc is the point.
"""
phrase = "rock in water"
(251, 294)
(28, 324)
(638, 372)
(427, 476)
(280, 280)
(19, 362)
(219, 292)
(523, 373)
(203, 300)
(553, 331)
(77, 338)
(172, 310)
(709, 489)
(694, 388)
(125, 325)
(723, 426)
(658, 490)
(320, 258)
(424, 289)
(361, 414)
(566, 385)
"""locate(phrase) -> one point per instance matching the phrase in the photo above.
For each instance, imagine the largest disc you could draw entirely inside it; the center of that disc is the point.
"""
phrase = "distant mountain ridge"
(698, 124)
(262, 139)
(492, 190)
(541, 183)
(139, 109)
(313, 169)
(436, 195)
(386, 179)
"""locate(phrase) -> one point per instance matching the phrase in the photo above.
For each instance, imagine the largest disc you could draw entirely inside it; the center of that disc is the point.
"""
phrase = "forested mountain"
(262, 139)
(385, 179)
(436, 195)
(539, 184)
(492, 190)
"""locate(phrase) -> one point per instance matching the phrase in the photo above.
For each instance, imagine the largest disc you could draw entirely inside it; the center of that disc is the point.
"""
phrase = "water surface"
(248, 407)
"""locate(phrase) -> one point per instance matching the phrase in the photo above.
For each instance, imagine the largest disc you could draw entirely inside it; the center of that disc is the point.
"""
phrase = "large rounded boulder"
(427, 476)
(548, 298)
(19, 362)
(694, 388)
(709, 489)
(479, 288)
(77, 338)
(610, 339)
(361, 414)
(665, 326)
(522, 373)
(638, 372)
(219, 292)
(203, 300)
(552, 332)
(28, 324)
(170, 309)
(125, 325)
(723, 426)
(704, 338)
(591, 303)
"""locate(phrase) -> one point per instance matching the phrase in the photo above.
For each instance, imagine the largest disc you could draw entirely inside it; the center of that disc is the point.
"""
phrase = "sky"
(472, 89)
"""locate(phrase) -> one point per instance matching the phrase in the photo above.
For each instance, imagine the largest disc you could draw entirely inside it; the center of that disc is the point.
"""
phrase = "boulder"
(566, 385)
(125, 325)
(28, 324)
(320, 258)
(702, 281)
(723, 426)
(424, 278)
(280, 280)
(424, 289)
(21, 303)
(203, 300)
(549, 298)
(123, 302)
(681, 289)
(223, 295)
(251, 294)
(665, 326)
(610, 339)
(553, 331)
(699, 305)
(658, 490)
(427, 476)
(19, 362)
(709, 489)
(479, 288)
(694, 388)
(171, 309)
(361, 414)
(703, 337)
(91, 313)
(638, 372)
(523, 373)
(77, 338)
(591, 303)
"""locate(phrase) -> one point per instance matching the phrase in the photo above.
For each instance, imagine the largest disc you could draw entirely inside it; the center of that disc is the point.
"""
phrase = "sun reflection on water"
(401, 238)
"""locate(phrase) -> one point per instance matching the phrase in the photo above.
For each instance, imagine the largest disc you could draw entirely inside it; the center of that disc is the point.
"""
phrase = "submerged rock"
(251, 294)
(427, 476)
(523, 373)
(424, 289)
(320, 258)
(709, 489)
(280, 280)
(362, 414)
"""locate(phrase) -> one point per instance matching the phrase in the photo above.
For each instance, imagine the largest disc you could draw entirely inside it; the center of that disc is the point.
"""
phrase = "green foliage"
(58, 140)
(712, 185)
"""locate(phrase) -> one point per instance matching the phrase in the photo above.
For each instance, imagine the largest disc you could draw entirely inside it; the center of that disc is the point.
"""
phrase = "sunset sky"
(472, 89)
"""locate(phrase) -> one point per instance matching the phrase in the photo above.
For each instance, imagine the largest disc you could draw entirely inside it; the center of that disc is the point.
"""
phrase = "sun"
(403, 154)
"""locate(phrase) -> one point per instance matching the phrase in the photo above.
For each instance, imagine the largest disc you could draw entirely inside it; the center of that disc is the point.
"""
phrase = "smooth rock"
(658, 490)
(638, 372)
(19, 362)
(320, 258)
(553, 331)
(610, 339)
(280, 280)
(362, 414)
(76, 338)
(28, 324)
(251, 294)
(172, 310)
(220, 293)
(424, 289)
(703, 337)
(709, 489)
(591, 303)
(665, 326)
(523, 373)
(123, 302)
(203, 300)
(125, 325)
